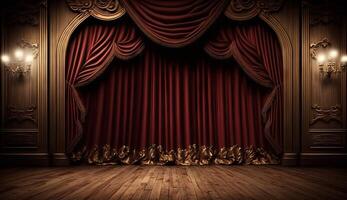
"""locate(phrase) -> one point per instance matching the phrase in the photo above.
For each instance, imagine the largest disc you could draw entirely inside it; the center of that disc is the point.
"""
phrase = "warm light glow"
(5, 58)
(28, 58)
(333, 54)
(18, 54)
(321, 58)
(344, 59)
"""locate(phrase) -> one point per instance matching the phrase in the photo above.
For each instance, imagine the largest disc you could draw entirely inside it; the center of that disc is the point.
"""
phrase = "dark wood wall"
(323, 99)
(23, 103)
(32, 125)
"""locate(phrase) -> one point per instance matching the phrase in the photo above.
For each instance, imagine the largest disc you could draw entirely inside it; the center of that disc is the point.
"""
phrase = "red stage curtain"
(167, 98)
(88, 55)
(256, 48)
(175, 97)
(174, 23)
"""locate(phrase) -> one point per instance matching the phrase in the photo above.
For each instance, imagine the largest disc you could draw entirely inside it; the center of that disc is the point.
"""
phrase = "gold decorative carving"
(247, 9)
(324, 43)
(100, 9)
(327, 114)
(23, 12)
(34, 47)
(193, 155)
(21, 114)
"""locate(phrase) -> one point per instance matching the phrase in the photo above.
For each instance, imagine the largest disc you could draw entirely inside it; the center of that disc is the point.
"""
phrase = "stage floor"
(173, 182)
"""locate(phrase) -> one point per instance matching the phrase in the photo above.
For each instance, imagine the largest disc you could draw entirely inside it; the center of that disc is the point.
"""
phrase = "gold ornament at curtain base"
(193, 155)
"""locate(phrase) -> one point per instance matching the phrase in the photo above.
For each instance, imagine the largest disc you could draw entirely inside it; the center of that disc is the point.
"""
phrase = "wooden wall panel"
(323, 100)
(23, 103)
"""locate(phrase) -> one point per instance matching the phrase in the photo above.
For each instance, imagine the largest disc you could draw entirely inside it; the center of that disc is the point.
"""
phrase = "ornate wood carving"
(21, 114)
(324, 43)
(326, 115)
(101, 9)
(34, 47)
(24, 12)
(324, 12)
(247, 9)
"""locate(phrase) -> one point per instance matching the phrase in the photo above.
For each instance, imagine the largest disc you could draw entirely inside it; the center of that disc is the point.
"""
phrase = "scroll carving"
(23, 12)
(21, 114)
(324, 12)
(100, 9)
(326, 115)
(324, 43)
(247, 9)
(34, 47)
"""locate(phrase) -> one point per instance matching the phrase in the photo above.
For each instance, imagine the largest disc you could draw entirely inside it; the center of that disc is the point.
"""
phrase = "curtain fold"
(258, 52)
(89, 55)
(174, 97)
(166, 98)
(174, 23)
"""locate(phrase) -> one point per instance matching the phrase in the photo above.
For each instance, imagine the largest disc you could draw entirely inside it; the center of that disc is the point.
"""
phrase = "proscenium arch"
(288, 71)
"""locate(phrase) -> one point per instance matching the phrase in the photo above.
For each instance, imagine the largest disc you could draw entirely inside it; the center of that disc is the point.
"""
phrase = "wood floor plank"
(173, 182)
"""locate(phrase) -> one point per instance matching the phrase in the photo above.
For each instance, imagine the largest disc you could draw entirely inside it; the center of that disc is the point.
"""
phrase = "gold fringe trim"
(193, 155)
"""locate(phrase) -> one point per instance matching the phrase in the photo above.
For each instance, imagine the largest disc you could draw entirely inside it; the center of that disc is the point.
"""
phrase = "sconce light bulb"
(28, 58)
(18, 54)
(333, 54)
(5, 58)
(321, 58)
(344, 59)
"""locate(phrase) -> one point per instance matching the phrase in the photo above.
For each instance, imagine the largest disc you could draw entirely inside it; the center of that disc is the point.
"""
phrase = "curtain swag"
(176, 24)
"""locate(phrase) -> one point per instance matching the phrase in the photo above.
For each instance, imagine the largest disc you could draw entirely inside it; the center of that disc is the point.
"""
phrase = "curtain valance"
(174, 23)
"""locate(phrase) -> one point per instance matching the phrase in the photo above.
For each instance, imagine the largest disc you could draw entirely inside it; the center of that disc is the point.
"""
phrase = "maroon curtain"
(166, 98)
(255, 47)
(175, 97)
(174, 23)
(89, 53)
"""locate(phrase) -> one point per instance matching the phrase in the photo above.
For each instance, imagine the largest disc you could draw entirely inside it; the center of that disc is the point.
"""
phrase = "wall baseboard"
(60, 159)
(290, 159)
(24, 159)
(320, 159)
(33, 159)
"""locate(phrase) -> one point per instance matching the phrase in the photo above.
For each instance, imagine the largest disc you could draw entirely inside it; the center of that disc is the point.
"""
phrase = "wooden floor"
(173, 182)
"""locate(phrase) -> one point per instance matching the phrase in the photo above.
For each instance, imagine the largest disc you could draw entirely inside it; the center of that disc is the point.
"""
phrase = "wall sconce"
(328, 59)
(21, 61)
(329, 64)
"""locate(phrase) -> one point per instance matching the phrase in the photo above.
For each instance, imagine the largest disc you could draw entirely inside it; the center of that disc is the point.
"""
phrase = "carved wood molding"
(324, 12)
(100, 9)
(237, 9)
(324, 43)
(246, 9)
(21, 114)
(25, 44)
(24, 12)
(324, 139)
(326, 114)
